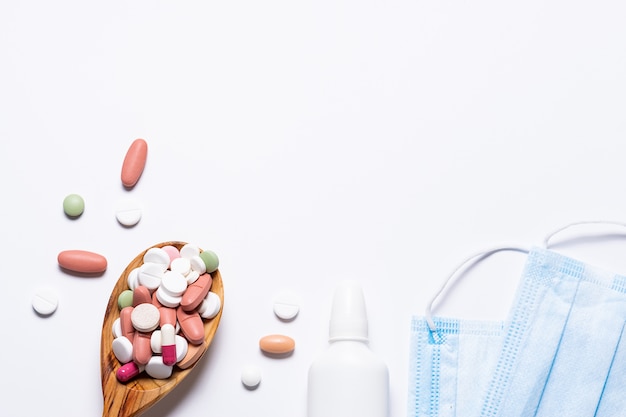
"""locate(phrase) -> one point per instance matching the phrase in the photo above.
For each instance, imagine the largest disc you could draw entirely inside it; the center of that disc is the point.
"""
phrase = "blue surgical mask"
(561, 351)
(452, 360)
(451, 365)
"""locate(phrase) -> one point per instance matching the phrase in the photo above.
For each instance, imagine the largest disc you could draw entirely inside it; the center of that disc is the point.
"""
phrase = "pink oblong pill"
(82, 261)
(167, 314)
(134, 162)
(126, 323)
(141, 295)
(191, 325)
(142, 350)
(196, 292)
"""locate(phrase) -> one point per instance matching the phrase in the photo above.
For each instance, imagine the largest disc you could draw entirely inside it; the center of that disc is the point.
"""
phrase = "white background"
(304, 142)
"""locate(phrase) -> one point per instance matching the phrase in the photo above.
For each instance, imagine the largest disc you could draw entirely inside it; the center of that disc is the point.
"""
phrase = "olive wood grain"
(134, 397)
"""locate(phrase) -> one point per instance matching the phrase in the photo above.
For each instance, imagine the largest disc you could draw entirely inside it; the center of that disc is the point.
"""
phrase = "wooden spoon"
(136, 396)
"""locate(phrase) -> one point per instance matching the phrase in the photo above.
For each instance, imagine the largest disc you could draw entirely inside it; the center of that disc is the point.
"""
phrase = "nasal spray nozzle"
(348, 379)
(348, 316)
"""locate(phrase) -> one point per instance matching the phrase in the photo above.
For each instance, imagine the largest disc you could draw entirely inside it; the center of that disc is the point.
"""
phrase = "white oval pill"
(145, 317)
(286, 305)
(45, 301)
(157, 256)
(157, 369)
(174, 283)
(128, 212)
(251, 376)
(123, 349)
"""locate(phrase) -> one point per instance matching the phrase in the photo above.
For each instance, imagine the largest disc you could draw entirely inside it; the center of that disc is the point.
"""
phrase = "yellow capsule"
(277, 344)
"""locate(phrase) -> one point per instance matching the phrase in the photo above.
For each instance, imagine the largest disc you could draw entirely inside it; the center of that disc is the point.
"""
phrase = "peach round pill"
(134, 162)
(82, 261)
(277, 344)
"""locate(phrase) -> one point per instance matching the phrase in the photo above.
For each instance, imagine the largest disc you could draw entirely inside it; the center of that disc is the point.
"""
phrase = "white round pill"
(116, 329)
(45, 301)
(182, 346)
(128, 212)
(197, 264)
(157, 256)
(210, 306)
(286, 305)
(167, 299)
(157, 369)
(189, 250)
(180, 265)
(155, 341)
(150, 275)
(192, 277)
(174, 283)
(251, 376)
(133, 278)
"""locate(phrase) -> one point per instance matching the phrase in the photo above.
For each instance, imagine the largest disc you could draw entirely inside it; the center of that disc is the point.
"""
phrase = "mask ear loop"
(546, 240)
(446, 284)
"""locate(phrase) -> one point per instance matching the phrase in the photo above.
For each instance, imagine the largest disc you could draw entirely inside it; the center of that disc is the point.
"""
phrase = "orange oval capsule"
(277, 344)
(82, 261)
(134, 162)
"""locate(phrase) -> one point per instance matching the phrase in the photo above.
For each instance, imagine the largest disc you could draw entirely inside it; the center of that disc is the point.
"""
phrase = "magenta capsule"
(128, 371)
(168, 344)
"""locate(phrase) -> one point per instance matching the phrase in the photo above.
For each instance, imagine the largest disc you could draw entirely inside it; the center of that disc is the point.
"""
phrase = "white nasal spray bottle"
(348, 379)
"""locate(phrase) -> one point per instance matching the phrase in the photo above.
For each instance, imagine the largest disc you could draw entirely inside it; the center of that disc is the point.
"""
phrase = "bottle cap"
(348, 317)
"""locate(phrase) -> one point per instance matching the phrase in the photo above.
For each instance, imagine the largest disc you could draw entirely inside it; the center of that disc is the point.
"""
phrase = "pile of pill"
(162, 311)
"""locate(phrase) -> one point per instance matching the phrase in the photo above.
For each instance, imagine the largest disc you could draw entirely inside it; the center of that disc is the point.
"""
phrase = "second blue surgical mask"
(562, 354)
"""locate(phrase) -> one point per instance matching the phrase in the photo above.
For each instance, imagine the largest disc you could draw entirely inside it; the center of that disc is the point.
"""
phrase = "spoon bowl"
(136, 396)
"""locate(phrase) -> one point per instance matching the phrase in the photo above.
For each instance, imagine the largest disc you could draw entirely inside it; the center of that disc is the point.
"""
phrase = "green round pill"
(125, 299)
(73, 205)
(210, 260)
